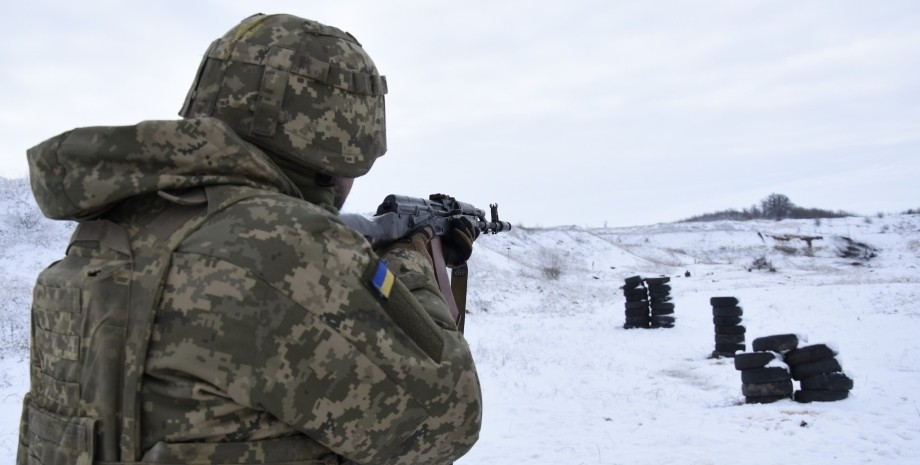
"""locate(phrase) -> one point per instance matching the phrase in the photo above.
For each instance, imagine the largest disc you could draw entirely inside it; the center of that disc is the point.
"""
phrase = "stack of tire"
(637, 306)
(815, 367)
(659, 296)
(820, 376)
(729, 332)
(765, 376)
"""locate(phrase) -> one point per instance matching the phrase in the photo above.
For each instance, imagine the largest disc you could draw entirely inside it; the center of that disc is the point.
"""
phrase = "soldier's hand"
(416, 240)
(458, 242)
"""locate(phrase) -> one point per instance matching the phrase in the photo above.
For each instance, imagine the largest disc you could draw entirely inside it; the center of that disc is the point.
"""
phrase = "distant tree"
(776, 206)
(751, 213)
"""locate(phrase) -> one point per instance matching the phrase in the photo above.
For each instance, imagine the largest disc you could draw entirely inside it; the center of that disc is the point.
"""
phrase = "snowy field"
(564, 383)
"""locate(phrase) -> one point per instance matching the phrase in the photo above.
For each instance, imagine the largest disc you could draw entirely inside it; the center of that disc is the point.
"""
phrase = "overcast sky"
(616, 112)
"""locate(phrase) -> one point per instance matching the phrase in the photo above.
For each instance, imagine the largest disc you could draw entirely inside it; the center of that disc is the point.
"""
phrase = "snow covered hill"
(564, 382)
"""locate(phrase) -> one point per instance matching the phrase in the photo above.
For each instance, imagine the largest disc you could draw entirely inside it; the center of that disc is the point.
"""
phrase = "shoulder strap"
(458, 278)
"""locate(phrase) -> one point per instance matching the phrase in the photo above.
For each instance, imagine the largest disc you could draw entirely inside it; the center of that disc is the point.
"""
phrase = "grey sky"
(563, 112)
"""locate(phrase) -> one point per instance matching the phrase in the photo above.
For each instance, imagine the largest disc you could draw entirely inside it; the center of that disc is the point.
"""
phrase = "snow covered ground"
(565, 383)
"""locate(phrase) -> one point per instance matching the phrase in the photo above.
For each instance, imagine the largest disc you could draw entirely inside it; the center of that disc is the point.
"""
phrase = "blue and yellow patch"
(383, 280)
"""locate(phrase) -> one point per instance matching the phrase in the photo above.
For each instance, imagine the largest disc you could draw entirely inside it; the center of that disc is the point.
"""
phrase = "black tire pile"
(729, 332)
(765, 378)
(660, 304)
(819, 373)
(637, 309)
(648, 303)
(815, 367)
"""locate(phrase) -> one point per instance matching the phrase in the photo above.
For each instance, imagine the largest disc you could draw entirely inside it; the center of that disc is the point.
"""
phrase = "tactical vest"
(92, 316)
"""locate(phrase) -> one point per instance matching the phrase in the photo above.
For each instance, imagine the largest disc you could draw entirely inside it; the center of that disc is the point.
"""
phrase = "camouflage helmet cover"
(301, 90)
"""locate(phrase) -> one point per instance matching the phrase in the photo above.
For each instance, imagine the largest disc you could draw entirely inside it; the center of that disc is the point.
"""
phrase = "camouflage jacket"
(270, 340)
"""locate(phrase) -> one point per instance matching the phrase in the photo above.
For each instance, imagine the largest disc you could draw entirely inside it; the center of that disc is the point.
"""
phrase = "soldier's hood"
(81, 173)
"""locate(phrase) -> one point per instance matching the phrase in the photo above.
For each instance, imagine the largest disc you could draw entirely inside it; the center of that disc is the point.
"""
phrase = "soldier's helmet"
(301, 90)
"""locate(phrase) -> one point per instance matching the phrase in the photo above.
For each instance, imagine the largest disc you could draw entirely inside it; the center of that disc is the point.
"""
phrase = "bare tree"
(776, 206)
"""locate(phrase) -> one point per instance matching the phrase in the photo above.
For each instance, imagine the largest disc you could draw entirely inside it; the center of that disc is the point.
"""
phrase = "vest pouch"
(49, 439)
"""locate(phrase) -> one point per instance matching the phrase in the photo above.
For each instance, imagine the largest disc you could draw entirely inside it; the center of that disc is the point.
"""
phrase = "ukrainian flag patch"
(383, 280)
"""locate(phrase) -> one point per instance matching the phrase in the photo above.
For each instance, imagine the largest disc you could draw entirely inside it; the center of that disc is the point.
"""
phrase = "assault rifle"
(399, 215)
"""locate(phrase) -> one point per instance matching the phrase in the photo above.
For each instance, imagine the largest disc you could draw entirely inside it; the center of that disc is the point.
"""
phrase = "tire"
(659, 288)
(765, 375)
(776, 343)
(727, 311)
(726, 320)
(635, 294)
(643, 304)
(633, 281)
(729, 338)
(658, 280)
(659, 299)
(749, 360)
(818, 367)
(730, 329)
(656, 312)
(636, 312)
(662, 322)
(636, 322)
(663, 306)
(778, 388)
(805, 396)
(723, 301)
(808, 354)
(729, 347)
(827, 382)
(765, 399)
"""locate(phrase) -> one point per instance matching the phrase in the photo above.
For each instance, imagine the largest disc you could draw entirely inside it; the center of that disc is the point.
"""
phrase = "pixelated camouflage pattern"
(267, 344)
(297, 88)
(82, 173)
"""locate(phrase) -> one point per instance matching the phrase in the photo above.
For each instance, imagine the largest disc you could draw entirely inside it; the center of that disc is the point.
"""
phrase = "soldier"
(212, 308)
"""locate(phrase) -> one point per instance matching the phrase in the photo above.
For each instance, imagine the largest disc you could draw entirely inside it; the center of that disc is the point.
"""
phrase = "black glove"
(458, 242)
